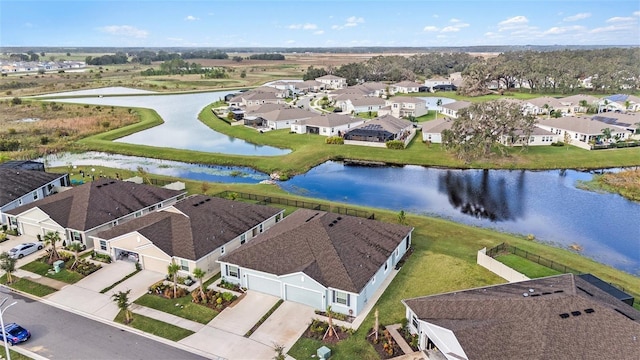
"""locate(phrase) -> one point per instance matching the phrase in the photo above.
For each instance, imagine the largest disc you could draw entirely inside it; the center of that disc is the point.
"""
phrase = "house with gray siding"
(320, 259)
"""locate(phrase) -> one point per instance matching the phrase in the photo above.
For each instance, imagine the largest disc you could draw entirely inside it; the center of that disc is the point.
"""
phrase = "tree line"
(179, 66)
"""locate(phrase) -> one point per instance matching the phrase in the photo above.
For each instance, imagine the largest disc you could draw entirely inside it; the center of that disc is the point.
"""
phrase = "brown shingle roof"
(202, 225)
(17, 183)
(498, 322)
(338, 251)
(99, 202)
(330, 120)
(387, 123)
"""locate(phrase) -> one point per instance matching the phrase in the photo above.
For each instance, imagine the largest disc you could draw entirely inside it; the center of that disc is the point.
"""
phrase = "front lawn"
(155, 327)
(28, 286)
(42, 268)
(527, 267)
(182, 307)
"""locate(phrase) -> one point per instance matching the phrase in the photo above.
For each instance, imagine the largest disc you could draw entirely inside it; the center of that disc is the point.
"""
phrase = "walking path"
(393, 330)
(43, 280)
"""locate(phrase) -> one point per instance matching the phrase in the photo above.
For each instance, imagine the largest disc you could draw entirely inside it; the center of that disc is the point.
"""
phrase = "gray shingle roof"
(338, 251)
(498, 322)
(17, 183)
(203, 225)
(99, 202)
(330, 120)
(387, 123)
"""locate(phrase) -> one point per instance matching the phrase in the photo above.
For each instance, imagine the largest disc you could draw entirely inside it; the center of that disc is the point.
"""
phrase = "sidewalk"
(43, 280)
(166, 317)
(393, 330)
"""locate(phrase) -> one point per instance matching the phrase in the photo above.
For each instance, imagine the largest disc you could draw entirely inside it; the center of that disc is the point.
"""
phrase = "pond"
(199, 172)
(181, 128)
(546, 204)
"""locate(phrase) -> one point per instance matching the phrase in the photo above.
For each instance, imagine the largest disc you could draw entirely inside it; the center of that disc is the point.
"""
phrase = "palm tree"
(583, 105)
(51, 238)
(607, 133)
(173, 269)
(76, 247)
(8, 264)
(199, 274)
(122, 300)
(438, 104)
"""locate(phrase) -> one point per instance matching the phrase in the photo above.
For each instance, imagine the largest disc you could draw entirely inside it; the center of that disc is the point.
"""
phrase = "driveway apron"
(285, 325)
(244, 315)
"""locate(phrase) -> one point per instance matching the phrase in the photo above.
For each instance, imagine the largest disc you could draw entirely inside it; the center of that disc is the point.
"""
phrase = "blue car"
(15, 333)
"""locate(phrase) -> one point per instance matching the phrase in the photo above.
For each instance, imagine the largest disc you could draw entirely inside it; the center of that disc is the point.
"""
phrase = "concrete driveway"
(227, 345)
(285, 325)
(17, 240)
(244, 315)
(107, 276)
(138, 284)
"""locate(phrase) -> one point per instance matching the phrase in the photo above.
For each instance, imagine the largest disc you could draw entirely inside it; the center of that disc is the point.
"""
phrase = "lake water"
(181, 128)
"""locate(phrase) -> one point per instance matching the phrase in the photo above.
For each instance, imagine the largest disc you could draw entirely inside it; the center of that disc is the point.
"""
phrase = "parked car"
(22, 250)
(15, 333)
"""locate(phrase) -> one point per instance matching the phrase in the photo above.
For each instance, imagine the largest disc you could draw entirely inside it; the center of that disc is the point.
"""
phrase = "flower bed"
(385, 345)
(318, 328)
(212, 299)
(100, 257)
(230, 286)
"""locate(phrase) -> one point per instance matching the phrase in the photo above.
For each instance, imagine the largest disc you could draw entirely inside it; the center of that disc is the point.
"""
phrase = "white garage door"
(304, 296)
(153, 264)
(267, 286)
(31, 230)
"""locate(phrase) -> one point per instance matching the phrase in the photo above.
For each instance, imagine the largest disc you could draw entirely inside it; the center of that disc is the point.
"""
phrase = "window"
(76, 236)
(261, 227)
(233, 271)
(340, 297)
(222, 250)
(138, 214)
(243, 239)
(103, 245)
(386, 265)
(184, 265)
(414, 321)
(35, 195)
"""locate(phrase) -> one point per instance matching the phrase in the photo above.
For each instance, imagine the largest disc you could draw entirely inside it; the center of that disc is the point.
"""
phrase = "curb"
(107, 322)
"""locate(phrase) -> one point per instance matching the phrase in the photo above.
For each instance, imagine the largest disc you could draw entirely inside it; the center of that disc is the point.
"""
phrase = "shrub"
(558, 143)
(227, 296)
(16, 101)
(336, 140)
(395, 144)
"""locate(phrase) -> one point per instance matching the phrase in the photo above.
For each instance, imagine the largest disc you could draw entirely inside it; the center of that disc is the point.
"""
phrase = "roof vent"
(334, 222)
(535, 294)
(564, 315)
(525, 294)
(576, 313)
(196, 204)
(558, 291)
(208, 199)
(589, 311)
(531, 290)
(112, 182)
(201, 202)
(331, 225)
(546, 293)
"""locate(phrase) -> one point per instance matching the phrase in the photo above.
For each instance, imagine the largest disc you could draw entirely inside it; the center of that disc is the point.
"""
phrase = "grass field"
(28, 286)
(529, 268)
(155, 327)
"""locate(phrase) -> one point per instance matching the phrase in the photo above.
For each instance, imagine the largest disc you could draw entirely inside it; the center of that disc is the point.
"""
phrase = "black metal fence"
(265, 200)
(506, 248)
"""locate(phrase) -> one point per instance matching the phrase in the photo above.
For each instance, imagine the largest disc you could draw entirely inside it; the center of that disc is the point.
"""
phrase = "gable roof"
(406, 99)
(500, 322)
(456, 105)
(368, 100)
(201, 225)
(98, 202)
(17, 183)
(337, 251)
(545, 100)
(284, 113)
(437, 126)
(575, 99)
(407, 84)
(330, 120)
(579, 124)
(387, 123)
(330, 77)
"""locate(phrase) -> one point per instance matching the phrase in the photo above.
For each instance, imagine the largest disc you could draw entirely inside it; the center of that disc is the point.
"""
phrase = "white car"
(25, 249)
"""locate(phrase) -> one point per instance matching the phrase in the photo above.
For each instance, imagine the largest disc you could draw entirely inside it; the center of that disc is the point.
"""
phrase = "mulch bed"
(340, 317)
(317, 329)
(386, 346)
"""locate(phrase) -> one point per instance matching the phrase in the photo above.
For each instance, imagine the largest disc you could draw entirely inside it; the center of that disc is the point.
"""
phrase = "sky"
(316, 23)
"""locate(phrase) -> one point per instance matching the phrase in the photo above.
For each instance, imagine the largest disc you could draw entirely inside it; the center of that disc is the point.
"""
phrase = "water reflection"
(475, 194)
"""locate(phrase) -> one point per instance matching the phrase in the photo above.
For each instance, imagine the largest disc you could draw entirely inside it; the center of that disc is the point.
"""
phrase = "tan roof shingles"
(498, 322)
(98, 202)
(197, 230)
(338, 251)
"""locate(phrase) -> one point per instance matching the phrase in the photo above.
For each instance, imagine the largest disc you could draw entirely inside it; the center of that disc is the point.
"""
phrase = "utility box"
(324, 353)
(58, 265)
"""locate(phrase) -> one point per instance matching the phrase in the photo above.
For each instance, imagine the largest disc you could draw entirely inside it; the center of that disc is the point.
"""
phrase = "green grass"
(185, 309)
(155, 327)
(28, 286)
(527, 267)
(16, 355)
(264, 318)
(211, 280)
(306, 349)
(41, 268)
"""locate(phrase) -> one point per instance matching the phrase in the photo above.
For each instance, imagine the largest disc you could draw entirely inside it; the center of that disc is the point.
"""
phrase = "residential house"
(379, 131)
(362, 104)
(276, 117)
(332, 82)
(544, 105)
(581, 130)
(327, 124)
(620, 103)
(437, 81)
(259, 96)
(320, 259)
(309, 86)
(628, 121)
(193, 233)
(376, 89)
(432, 130)
(404, 106)
(405, 87)
(578, 103)
(22, 165)
(452, 109)
(89, 208)
(557, 317)
(537, 137)
(20, 187)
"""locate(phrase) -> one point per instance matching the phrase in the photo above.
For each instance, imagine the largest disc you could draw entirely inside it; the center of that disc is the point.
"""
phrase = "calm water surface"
(181, 128)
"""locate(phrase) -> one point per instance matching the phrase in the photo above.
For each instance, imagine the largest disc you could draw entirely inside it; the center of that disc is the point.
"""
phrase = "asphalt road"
(59, 334)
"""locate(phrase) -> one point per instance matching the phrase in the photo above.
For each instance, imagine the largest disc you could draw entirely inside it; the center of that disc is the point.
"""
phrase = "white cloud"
(191, 18)
(290, 41)
(124, 30)
(513, 23)
(435, 16)
(430, 28)
(319, 32)
(310, 26)
(454, 20)
(336, 27)
(613, 28)
(450, 29)
(174, 39)
(557, 30)
(303, 26)
(636, 13)
(620, 19)
(354, 21)
(577, 17)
